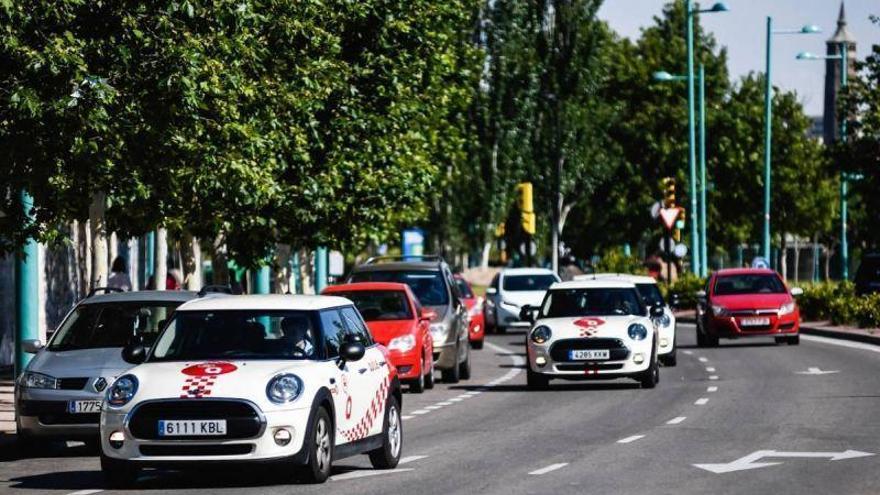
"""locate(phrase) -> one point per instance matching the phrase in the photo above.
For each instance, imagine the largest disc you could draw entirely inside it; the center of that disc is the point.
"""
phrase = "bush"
(614, 261)
(686, 287)
(838, 303)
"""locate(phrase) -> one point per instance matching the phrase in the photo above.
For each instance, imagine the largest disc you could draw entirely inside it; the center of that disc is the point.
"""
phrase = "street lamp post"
(844, 186)
(26, 290)
(692, 159)
(768, 127)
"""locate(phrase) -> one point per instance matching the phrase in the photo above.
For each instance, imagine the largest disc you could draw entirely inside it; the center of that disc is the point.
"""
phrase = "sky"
(743, 31)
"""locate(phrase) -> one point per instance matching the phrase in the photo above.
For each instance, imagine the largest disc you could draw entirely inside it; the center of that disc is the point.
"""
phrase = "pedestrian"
(118, 276)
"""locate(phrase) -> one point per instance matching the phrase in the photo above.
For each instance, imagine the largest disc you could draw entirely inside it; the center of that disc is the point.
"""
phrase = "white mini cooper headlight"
(637, 331)
(284, 388)
(122, 390)
(541, 334)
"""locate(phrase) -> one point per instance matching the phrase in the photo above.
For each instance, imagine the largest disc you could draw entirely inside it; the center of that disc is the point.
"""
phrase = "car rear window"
(427, 285)
(729, 285)
(518, 283)
(376, 305)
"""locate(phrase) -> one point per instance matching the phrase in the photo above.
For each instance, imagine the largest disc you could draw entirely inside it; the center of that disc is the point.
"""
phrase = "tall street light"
(663, 76)
(768, 105)
(692, 159)
(844, 245)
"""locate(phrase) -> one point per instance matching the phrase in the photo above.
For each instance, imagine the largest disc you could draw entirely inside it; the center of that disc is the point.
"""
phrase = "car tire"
(701, 338)
(464, 371)
(319, 445)
(429, 377)
(119, 473)
(500, 330)
(388, 455)
(651, 376)
(712, 341)
(417, 386)
(477, 344)
(453, 374)
(780, 340)
(670, 359)
(795, 340)
(536, 381)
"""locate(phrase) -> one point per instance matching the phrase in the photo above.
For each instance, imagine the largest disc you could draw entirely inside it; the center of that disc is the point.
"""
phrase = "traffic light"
(668, 185)
(526, 207)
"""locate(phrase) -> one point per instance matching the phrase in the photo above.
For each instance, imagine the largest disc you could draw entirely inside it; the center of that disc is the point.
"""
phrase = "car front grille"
(242, 419)
(54, 412)
(559, 351)
(196, 450)
(585, 367)
(77, 383)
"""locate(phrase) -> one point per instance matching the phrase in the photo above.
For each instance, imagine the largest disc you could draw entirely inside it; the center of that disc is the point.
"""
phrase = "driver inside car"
(298, 334)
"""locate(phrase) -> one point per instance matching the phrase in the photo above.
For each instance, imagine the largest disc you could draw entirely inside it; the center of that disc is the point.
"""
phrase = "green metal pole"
(768, 129)
(320, 269)
(692, 159)
(844, 244)
(261, 280)
(150, 255)
(26, 293)
(704, 255)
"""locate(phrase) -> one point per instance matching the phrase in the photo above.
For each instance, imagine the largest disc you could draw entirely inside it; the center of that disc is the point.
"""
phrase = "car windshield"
(379, 305)
(650, 294)
(427, 285)
(96, 325)
(464, 288)
(238, 334)
(565, 303)
(516, 283)
(730, 285)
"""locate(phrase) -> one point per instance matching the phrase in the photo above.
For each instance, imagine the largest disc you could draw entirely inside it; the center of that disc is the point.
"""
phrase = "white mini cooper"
(292, 379)
(593, 329)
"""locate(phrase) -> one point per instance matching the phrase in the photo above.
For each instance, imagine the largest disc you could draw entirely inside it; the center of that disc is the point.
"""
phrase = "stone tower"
(841, 37)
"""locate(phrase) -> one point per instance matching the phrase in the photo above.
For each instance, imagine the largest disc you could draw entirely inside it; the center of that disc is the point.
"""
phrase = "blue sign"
(413, 242)
(760, 262)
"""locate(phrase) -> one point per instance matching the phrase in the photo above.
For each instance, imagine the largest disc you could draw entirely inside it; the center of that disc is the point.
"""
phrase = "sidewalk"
(820, 328)
(7, 406)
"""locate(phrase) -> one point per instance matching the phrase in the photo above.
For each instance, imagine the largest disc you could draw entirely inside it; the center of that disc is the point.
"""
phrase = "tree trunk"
(281, 282)
(112, 249)
(220, 262)
(99, 240)
(797, 259)
(160, 269)
(783, 259)
(828, 254)
(305, 270)
(484, 259)
(191, 252)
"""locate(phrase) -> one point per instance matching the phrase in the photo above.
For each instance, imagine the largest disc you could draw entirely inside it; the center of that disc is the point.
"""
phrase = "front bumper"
(732, 327)
(445, 356)
(259, 448)
(44, 413)
(667, 340)
(408, 363)
(626, 359)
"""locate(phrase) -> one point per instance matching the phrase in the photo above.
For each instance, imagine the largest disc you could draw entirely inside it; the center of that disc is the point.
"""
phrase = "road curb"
(821, 332)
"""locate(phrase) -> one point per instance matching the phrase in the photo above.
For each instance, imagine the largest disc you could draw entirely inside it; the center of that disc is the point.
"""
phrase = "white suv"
(293, 379)
(510, 290)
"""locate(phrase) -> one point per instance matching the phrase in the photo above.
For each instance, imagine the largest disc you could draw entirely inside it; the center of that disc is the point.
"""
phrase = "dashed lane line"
(630, 439)
(710, 369)
(712, 389)
(86, 492)
(420, 412)
(675, 421)
(701, 401)
(713, 377)
(551, 467)
(702, 359)
(688, 352)
(406, 417)
(368, 472)
(411, 458)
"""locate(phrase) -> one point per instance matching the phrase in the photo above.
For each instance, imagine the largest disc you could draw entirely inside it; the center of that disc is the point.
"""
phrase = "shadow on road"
(10, 450)
(554, 387)
(60, 480)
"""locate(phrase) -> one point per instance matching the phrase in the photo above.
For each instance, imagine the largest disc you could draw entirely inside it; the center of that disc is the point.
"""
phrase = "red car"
(747, 303)
(474, 305)
(396, 320)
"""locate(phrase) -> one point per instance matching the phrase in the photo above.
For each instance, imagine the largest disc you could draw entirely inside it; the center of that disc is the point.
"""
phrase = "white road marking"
(675, 421)
(406, 417)
(433, 408)
(713, 377)
(456, 399)
(421, 411)
(444, 403)
(689, 353)
(551, 467)
(710, 369)
(367, 472)
(712, 389)
(748, 461)
(411, 458)
(816, 371)
(702, 359)
(85, 492)
(842, 343)
(630, 439)
(465, 396)
(701, 401)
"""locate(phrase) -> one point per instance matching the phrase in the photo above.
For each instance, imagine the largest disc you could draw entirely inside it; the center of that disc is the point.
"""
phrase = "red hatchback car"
(474, 305)
(747, 303)
(396, 320)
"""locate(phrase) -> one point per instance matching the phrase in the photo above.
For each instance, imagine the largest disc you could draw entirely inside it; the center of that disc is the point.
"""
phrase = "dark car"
(868, 275)
(432, 282)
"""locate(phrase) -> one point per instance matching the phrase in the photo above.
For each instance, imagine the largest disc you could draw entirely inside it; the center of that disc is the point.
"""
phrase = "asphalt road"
(757, 417)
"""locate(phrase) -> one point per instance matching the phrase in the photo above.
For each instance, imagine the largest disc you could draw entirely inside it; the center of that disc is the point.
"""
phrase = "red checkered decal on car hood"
(589, 326)
(374, 412)
(201, 377)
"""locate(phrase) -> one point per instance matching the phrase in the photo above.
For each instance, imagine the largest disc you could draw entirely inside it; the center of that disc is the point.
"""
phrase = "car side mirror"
(656, 311)
(32, 346)
(491, 291)
(527, 313)
(352, 351)
(701, 294)
(797, 291)
(427, 314)
(134, 354)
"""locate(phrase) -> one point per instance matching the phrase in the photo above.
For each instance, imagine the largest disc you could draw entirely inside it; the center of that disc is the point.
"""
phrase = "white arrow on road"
(816, 371)
(749, 461)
